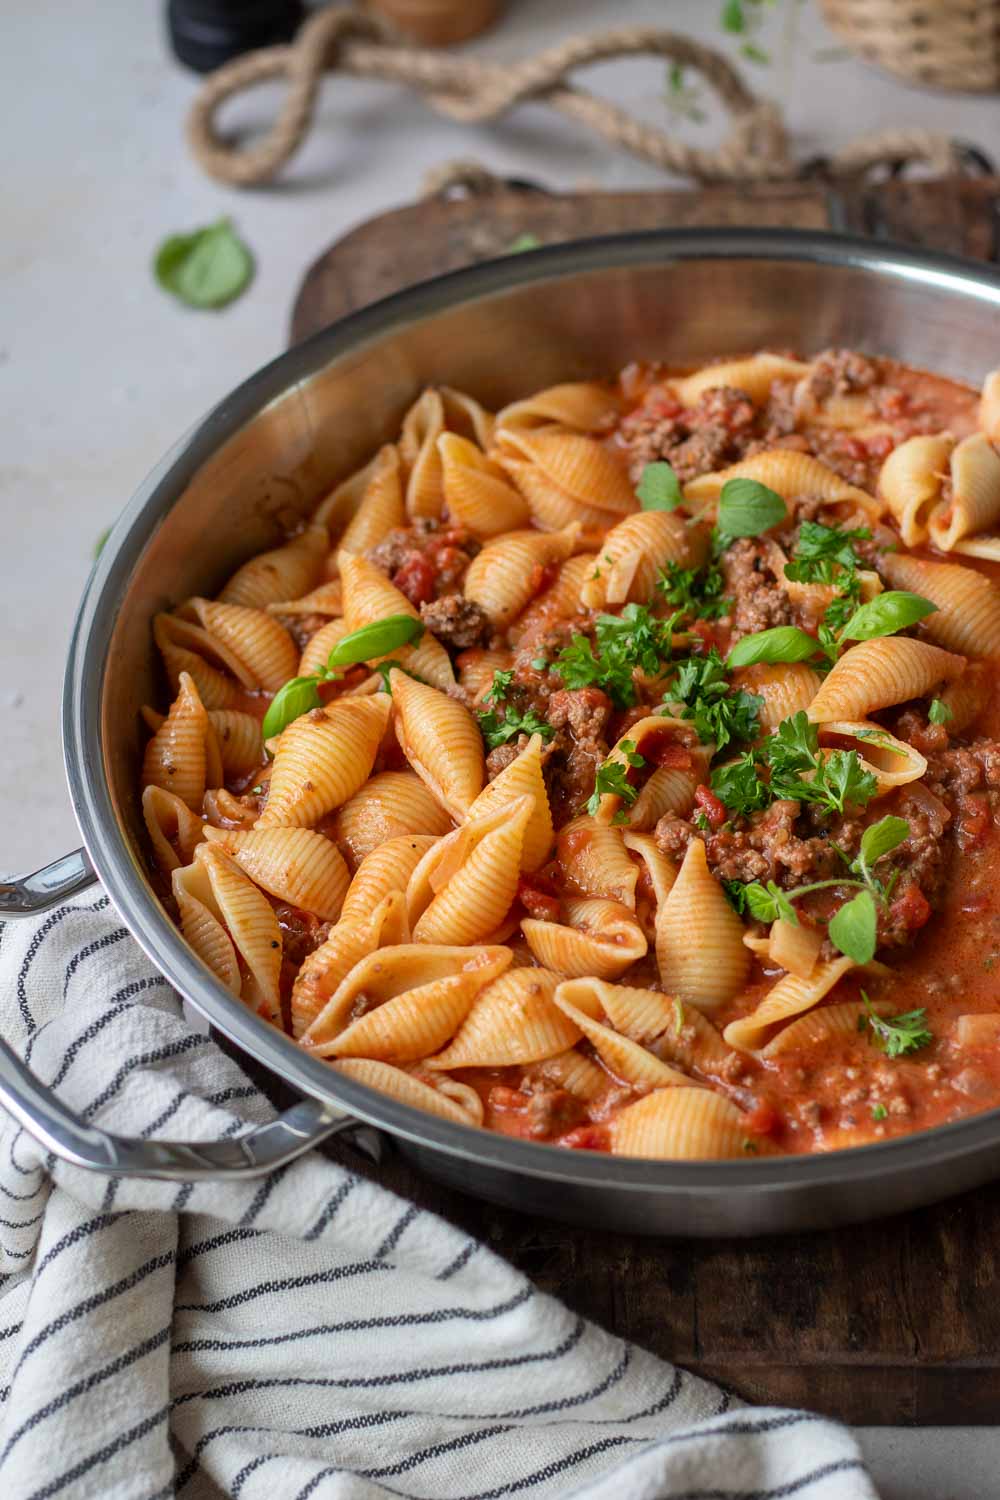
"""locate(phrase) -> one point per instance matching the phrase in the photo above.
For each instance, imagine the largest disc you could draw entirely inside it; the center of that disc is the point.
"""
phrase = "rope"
(468, 90)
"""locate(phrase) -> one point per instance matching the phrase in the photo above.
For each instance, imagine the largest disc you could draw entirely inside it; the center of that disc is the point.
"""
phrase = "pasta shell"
(416, 998)
(818, 1028)
(891, 761)
(602, 938)
(699, 937)
(785, 689)
(755, 375)
(283, 573)
(319, 646)
(910, 482)
(633, 554)
(967, 619)
(522, 778)
(476, 669)
(387, 868)
(975, 504)
(223, 810)
(550, 507)
(326, 599)
(512, 1021)
(989, 407)
(658, 874)
(389, 806)
(594, 861)
(574, 1073)
(249, 919)
(790, 996)
(875, 674)
(581, 467)
(398, 1084)
(557, 602)
(369, 596)
(381, 509)
(183, 647)
(967, 696)
(680, 1124)
(335, 511)
(794, 948)
(503, 577)
(327, 966)
(624, 1059)
(475, 491)
(323, 758)
(295, 864)
(792, 475)
(441, 741)
(202, 926)
(422, 426)
(581, 405)
(470, 903)
(175, 758)
(239, 739)
(264, 647)
(174, 830)
(670, 789)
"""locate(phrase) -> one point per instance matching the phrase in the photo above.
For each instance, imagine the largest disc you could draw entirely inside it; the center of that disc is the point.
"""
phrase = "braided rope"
(470, 91)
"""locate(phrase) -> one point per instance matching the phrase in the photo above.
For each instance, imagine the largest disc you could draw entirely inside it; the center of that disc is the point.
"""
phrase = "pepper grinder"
(204, 34)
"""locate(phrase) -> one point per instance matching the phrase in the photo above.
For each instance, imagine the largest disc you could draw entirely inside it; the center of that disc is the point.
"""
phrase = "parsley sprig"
(612, 779)
(789, 764)
(896, 1035)
(498, 731)
(695, 592)
(635, 640)
(703, 693)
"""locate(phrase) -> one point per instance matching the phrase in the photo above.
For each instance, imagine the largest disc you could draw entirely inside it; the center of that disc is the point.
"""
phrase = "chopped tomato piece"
(714, 810)
(671, 757)
(586, 1138)
(763, 1119)
(539, 898)
(415, 579)
(973, 821)
(501, 1097)
(911, 908)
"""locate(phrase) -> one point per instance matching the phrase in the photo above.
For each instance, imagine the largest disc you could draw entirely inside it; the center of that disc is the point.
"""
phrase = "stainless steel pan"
(264, 456)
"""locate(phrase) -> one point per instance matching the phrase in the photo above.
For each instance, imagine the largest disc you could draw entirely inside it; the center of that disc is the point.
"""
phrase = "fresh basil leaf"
(526, 241)
(206, 268)
(733, 17)
(881, 838)
(746, 508)
(852, 928)
(768, 903)
(885, 614)
(659, 488)
(938, 713)
(780, 643)
(376, 639)
(290, 702)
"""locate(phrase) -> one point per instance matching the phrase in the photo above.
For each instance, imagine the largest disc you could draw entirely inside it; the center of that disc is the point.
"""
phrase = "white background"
(100, 372)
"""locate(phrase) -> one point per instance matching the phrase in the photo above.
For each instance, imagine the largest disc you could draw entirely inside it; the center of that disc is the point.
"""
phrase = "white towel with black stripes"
(310, 1334)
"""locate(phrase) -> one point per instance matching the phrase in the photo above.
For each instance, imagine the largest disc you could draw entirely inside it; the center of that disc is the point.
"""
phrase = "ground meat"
(301, 932)
(456, 621)
(504, 755)
(580, 719)
(695, 440)
(763, 847)
(426, 560)
(302, 628)
(840, 372)
(759, 600)
(915, 727)
(585, 712)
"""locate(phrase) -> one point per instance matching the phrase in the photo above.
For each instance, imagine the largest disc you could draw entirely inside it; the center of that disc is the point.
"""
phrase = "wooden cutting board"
(885, 1323)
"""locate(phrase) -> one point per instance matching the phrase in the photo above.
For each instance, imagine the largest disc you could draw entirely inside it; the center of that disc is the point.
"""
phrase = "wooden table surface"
(892, 1322)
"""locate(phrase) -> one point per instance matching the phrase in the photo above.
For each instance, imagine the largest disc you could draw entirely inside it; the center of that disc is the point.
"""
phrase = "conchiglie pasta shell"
(501, 578)
(462, 1094)
(264, 646)
(294, 864)
(174, 830)
(419, 996)
(574, 1073)
(183, 648)
(422, 425)
(381, 509)
(201, 924)
(441, 741)
(398, 1084)
(319, 646)
(387, 868)
(326, 599)
(671, 789)
(602, 938)
(550, 507)
(475, 491)
(660, 876)
(580, 405)
(967, 697)
(594, 861)
(389, 806)
(558, 602)
(790, 996)
(875, 674)
(989, 407)
(680, 1124)
(323, 970)
(512, 1021)
(910, 482)
(467, 416)
(522, 778)
(755, 375)
(323, 758)
(967, 619)
(975, 504)
(369, 596)
(633, 553)
(335, 511)
(249, 919)
(581, 467)
(891, 761)
(667, 1027)
(699, 937)
(238, 735)
(473, 902)
(283, 573)
(624, 1059)
(792, 475)
(223, 810)
(785, 689)
(175, 758)
(476, 669)
(820, 1027)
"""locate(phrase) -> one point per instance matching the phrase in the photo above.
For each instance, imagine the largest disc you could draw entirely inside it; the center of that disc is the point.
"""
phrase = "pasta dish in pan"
(617, 770)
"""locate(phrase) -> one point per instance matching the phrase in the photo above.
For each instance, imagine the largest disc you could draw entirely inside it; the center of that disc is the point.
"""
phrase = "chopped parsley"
(825, 554)
(939, 713)
(612, 777)
(635, 640)
(498, 731)
(797, 770)
(879, 1112)
(719, 715)
(695, 592)
(896, 1035)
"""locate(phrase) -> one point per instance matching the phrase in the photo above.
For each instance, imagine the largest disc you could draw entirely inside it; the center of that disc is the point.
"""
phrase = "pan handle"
(47, 1119)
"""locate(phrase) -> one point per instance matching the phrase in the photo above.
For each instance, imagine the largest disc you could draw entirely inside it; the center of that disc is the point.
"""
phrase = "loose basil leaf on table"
(780, 643)
(659, 488)
(747, 507)
(290, 702)
(206, 268)
(376, 639)
(885, 614)
(852, 928)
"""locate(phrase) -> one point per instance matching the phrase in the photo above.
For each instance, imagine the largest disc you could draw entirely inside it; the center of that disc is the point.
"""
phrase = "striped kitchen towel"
(308, 1334)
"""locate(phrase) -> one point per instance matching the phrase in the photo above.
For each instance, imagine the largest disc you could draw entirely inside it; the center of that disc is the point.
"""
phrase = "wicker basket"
(947, 44)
